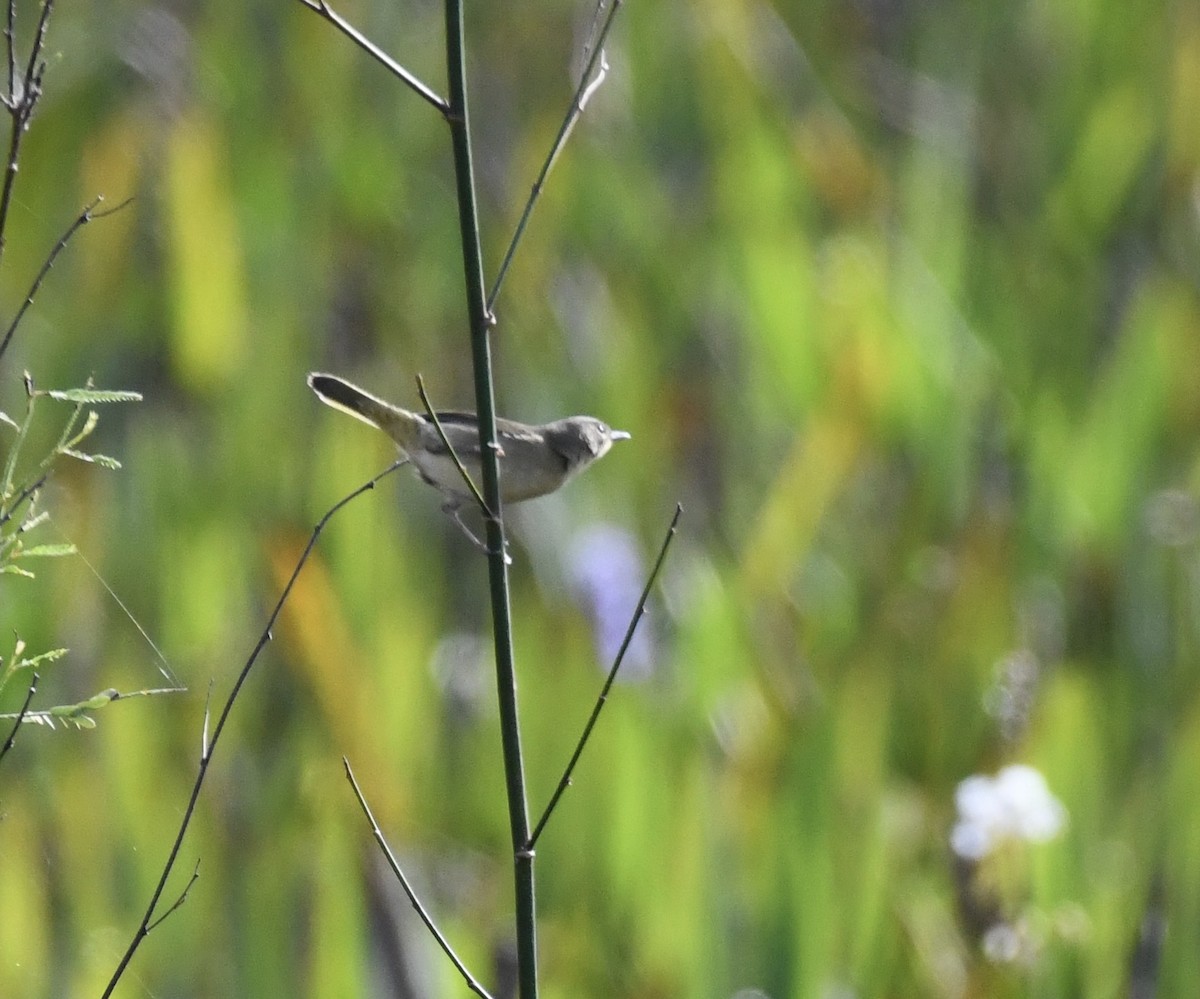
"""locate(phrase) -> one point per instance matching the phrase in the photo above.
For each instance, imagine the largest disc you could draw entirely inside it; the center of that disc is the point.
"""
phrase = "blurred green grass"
(900, 301)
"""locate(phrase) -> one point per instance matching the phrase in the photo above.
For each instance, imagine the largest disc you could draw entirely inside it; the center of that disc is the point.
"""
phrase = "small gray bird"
(534, 460)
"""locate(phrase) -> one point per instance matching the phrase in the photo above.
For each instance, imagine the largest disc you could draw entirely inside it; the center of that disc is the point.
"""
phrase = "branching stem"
(565, 781)
(322, 9)
(210, 745)
(593, 75)
(83, 218)
(21, 100)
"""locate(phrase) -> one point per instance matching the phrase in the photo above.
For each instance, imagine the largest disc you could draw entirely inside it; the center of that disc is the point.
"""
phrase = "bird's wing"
(461, 430)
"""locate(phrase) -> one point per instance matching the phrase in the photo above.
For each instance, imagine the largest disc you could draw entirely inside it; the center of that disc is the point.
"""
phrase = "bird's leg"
(452, 507)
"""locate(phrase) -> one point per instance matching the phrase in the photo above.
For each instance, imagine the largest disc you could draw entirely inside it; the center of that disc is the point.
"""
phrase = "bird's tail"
(399, 424)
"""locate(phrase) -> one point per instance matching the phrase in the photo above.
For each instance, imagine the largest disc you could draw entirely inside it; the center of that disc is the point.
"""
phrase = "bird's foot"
(453, 510)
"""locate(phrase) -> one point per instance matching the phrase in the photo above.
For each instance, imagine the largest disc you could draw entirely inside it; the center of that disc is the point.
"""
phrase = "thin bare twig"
(164, 667)
(10, 28)
(322, 8)
(21, 101)
(593, 75)
(210, 745)
(179, 901)
(83, 218)
(22, 496)
(472, 983)
(36, 65)
(12, 736)
(462, 469)
(565, 781)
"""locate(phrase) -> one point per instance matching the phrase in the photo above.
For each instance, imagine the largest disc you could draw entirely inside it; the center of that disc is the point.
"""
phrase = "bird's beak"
(619, 435)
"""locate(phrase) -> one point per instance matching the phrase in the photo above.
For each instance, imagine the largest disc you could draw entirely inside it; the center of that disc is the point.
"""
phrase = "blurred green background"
(899, 299)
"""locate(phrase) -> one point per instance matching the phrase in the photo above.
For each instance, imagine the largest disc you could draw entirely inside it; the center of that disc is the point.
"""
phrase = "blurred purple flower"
(606, 572)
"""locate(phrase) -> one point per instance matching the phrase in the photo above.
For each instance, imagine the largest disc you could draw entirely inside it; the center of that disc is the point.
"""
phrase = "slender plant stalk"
(7, 514)
(83, 218)
(208, 746)
(458, 118)
(36, 65)
(565, 781)
(462, 469)
(472, 982)
(12, 736)
(21, 100)
(179, 900)
(322, 8)
(593, 75)
(10, 27)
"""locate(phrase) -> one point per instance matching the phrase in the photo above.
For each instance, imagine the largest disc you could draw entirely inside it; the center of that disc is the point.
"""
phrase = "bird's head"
(582, 439)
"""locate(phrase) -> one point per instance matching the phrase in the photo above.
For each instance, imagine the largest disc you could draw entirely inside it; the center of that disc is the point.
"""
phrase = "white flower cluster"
(1015, 804)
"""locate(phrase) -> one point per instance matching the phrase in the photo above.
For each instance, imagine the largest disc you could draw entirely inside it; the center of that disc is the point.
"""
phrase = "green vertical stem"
(506, 678)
